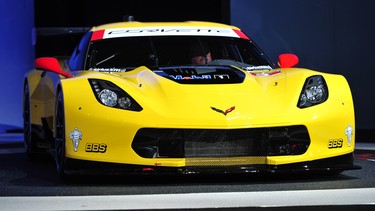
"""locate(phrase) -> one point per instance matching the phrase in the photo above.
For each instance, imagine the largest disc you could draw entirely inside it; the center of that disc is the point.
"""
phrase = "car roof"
(188, 28)
(137, 24)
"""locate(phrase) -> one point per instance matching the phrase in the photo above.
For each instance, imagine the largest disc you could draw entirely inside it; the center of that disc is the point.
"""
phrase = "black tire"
(29, 145)
(60, 136)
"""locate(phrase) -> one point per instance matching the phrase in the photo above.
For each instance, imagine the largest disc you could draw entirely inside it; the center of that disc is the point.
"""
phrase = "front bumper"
(332, 165)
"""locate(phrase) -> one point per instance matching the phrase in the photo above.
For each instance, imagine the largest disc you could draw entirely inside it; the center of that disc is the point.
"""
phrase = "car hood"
(257, 98)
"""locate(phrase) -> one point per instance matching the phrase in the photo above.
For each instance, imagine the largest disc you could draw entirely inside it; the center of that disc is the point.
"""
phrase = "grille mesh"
(226, 161)
(221, 146)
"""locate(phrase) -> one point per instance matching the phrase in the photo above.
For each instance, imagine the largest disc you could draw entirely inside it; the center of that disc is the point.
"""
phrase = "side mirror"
(287, 60)
(50, 64)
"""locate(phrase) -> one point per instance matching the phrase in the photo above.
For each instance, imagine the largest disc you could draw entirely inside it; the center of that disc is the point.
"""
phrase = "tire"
(60, 136)
(29, 144)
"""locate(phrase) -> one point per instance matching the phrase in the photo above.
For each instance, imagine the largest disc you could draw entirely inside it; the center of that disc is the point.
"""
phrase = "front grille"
(217, 146)
(224, 143)
(226, 161)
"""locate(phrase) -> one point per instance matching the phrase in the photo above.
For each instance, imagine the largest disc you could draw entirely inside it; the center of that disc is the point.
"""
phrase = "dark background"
(86, 13)
(334, 36)
(95, 12)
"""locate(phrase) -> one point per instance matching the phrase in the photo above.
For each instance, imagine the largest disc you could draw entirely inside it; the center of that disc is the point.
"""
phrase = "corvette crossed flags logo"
(223, 112)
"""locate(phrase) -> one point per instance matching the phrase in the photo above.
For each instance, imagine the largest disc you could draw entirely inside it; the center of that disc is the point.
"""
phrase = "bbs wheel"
(60, 136)
(29, 144)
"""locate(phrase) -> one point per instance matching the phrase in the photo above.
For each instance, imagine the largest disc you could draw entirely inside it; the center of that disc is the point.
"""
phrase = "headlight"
(314, 92)
(113, 96)
(108, 97)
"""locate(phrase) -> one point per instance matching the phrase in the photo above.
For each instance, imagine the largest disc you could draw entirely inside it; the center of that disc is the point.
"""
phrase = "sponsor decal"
(224, 112)
(199, 77)
(107, 69)
(349, 134)
(261, 67)
(335, 143)
(221, 76)
(76, 137)
(192, 77)
(96, 147)
(167, 31)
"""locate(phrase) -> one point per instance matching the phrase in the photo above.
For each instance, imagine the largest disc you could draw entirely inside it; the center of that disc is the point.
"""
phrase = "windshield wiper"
(108, 58)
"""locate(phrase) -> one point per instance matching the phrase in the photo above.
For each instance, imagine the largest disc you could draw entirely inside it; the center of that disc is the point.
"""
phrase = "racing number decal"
(335, 143)
(95, 147)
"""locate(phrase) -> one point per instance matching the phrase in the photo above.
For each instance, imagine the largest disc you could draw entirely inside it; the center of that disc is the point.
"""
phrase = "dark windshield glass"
(124, 54)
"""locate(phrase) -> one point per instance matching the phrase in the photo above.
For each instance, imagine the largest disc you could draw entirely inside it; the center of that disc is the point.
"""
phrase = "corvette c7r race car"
(132, 100)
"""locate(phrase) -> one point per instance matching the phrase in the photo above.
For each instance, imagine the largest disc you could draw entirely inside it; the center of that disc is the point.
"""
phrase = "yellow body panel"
(259, 101)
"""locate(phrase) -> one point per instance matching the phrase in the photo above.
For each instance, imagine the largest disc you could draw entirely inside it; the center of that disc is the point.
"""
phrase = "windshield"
(124, 54)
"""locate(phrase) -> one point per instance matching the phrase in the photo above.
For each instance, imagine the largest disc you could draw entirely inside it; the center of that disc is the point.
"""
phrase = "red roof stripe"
(241, 34)
(97, 35)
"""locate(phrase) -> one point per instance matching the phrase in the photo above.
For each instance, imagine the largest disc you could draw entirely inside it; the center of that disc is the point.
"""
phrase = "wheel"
(29, 145)
(60, 136)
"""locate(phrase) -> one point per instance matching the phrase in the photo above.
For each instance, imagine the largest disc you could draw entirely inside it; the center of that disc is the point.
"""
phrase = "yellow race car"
(184, 98)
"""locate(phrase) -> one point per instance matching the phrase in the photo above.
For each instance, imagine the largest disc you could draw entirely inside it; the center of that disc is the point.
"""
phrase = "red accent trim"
(288, 60)
(47, 63)
(230, 109)
(50, 64)
(97, 35)
(241, 34)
